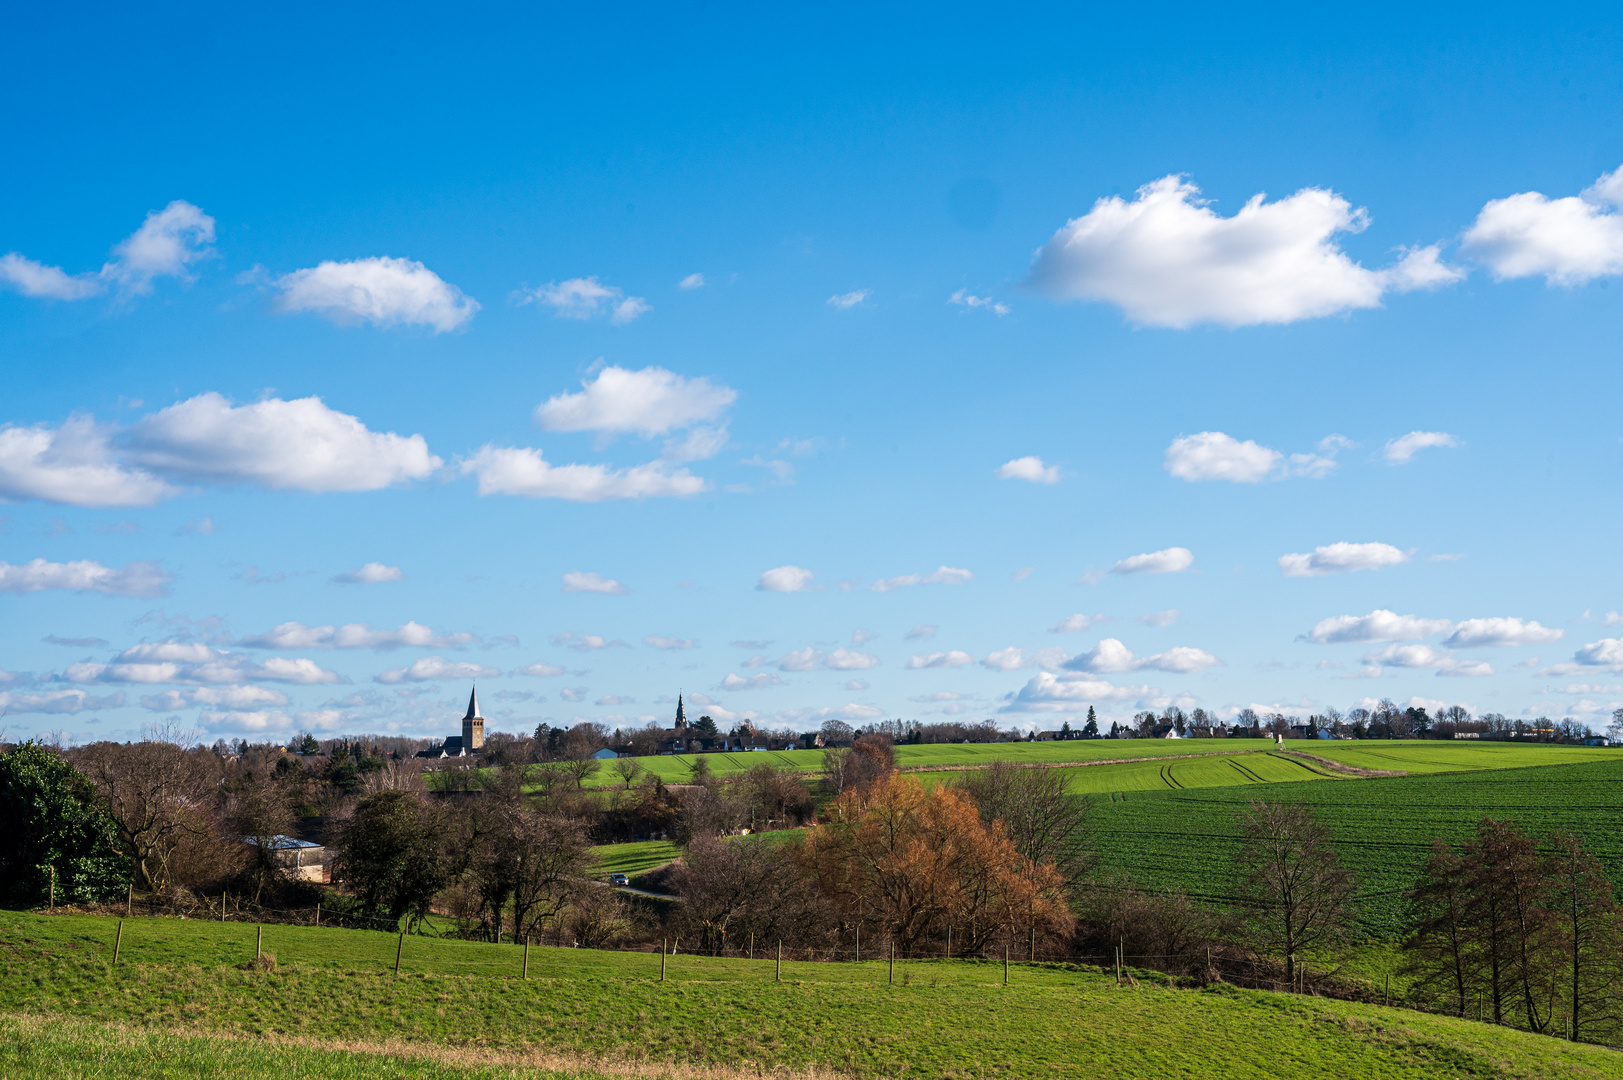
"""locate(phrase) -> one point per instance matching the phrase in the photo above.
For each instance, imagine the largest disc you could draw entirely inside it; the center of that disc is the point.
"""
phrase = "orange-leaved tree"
(909, 864)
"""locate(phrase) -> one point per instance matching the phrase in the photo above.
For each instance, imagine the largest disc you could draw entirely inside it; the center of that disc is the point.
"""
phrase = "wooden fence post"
(892, 964)
(118, 941)
(752, 944)
(53, 885)
(859, 943)
(1388, 999)
(1005, 963)
(129, 899)
(778, 975)
(259, 941)
(398, 949)
(1031, 946)
(318, 914)
(949, 943)
(526, 956)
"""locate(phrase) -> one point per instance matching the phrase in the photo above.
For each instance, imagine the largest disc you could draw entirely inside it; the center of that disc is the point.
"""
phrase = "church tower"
(681, 716)
(473, 725)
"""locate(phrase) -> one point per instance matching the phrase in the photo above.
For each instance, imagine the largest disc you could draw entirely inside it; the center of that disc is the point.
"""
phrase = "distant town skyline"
(899, 366)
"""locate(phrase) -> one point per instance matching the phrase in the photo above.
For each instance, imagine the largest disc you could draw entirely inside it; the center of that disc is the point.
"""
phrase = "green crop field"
(635, 858)
(180, 1004)
(1418, 756)
(1383, 827)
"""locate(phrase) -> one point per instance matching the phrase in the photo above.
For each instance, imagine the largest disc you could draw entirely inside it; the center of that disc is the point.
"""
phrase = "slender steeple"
(473, 725)
(681, 716)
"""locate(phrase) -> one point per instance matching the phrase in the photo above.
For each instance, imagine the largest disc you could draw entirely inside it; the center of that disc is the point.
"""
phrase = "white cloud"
(1029, 468)
(942, 575)
(1612, 619)
(660, 642)
(692, 281)
(1405, 447)
(140, 579)
(523, 471)
(614, 699)
(965, 298)
(168, 242)
(587, 298)
(1341, 557)
(296, 635)
(955, 658)
(372, 573)
(807, 659)
(808, 716)
(573, 693)
(843, 301)
(586, 642)
(1378, 625)
(58, 702)
(1076, 624)
(854, 685)
(1048, 692)
(754, 682)
(261, 720)
(700, 444)
(1009, 659)
(1171, 560)
(1424, 656)
(843, 659)
(1212, 455)
(921, 632)
(72, 464)
(592, 582)
(860, 636)
(785, 579)
(165, 245)
(650, 402)
(1160, 618)
(539, 670)
(43, 282)
(282, 445)
(381, 291)
(1477, 633)
(431, 668)
(1110, 655)
(1569, 240)
(1607, 652)
(193, 662)
(237, 698)
(1167, 259)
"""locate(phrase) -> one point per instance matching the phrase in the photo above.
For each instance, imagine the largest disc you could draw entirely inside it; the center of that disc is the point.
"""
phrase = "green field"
(1420, 756)
(635, 858)
(180, 1005)
(1383, 828)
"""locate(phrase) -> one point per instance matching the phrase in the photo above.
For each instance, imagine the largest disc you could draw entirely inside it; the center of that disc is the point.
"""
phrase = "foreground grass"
(336, 988)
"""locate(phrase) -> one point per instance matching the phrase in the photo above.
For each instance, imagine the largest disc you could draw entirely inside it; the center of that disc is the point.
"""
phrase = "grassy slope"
(1383, 828)
(635, 858)
(951, 1021)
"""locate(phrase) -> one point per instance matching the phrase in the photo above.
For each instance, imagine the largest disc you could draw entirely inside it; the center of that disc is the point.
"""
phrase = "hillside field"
(180, 1004)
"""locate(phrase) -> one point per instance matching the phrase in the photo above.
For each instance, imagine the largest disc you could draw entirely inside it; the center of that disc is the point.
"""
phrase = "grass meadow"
(180, 1004)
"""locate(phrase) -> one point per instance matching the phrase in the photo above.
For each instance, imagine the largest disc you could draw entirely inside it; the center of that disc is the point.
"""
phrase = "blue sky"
(929, 363)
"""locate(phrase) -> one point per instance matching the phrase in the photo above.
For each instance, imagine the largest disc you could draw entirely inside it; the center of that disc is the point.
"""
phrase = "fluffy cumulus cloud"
(523, 471)
(587, 298)
(194, 663)
(1164, 617)
(1171, 560)
(1478, 633)
(1074, 692)
(1013, 658)
(1029, 468)
(74, 464)
(434, 668)
(1110, 656)
(165, 245)
(1378, 625)
(785, 579)
(1605, 654)
(759, 681)
(1168, 259)
(381, 291)
(372, 573)
(953, 659)
(586, 642)
(146, 580)
(1076, 624)
(1404, 447)
(1424, 656)
(660, 641)
(592, 582)
(233, 698)
(843, 659)
(1341, 558)
(296, 635)
(649, 402)
(299, 445)
(1212, 455)
(540, 670)
(1567, 241)
(58, 702)
(941, 575)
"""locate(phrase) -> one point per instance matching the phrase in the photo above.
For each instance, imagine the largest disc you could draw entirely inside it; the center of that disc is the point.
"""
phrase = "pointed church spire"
(681, 716)
(473, 705)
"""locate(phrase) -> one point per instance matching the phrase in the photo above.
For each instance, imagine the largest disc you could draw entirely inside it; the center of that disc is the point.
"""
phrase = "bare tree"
(1587, 924)
(581, 770)
(157, 793)
(527, 859)
(1046, 824)
(628, 769)
(1512, 924)
(1298, 892)
(1440, 949)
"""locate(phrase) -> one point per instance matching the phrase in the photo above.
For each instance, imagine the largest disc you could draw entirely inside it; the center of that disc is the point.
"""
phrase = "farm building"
(301, 858)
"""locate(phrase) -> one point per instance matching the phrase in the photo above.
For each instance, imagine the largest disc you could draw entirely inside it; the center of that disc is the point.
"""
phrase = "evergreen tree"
(52, 819)
(1090, 730)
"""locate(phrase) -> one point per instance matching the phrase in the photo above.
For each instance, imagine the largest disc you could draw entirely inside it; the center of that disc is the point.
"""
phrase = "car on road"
(619, 879)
